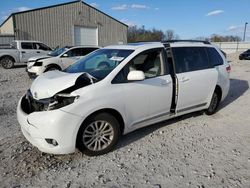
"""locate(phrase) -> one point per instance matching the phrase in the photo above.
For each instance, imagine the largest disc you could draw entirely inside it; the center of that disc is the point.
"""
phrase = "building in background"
(73, 23)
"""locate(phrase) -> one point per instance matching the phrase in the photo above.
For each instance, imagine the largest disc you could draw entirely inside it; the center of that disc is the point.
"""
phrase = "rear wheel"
(7, 62)
(213, 104)
(99, 134)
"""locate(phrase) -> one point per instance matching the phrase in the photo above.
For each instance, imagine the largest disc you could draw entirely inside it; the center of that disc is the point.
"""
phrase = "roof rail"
(174, 41)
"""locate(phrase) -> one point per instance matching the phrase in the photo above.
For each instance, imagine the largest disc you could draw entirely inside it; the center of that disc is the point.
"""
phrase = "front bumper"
(34, 71)
(58, 125)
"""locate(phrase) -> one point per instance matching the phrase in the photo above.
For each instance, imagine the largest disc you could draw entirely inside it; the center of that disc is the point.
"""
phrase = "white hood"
(39, 57)
(52, 82)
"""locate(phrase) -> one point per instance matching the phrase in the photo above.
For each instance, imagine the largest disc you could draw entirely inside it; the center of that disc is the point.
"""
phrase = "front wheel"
(99, 134)
(213, 104)
(7, 62)
(52, 68)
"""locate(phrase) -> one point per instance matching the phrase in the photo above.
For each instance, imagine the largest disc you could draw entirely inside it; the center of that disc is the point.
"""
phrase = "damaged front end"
(30, 104)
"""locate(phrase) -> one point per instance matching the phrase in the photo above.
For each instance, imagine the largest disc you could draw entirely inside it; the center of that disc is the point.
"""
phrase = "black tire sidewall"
(101, 116)
(211, 111)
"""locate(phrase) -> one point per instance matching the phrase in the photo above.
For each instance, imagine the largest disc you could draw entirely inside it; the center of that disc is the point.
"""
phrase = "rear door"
(27, 51)
(196, 77)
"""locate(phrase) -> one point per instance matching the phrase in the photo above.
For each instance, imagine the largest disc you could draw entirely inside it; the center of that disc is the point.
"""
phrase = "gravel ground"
(194, 150)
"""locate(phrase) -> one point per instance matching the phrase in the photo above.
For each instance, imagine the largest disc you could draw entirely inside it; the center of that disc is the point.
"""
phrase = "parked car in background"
(245, 55)
(59, 59)
(118, 89)
(20, 51)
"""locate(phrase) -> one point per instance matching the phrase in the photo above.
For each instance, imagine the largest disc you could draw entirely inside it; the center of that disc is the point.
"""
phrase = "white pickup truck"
(20, 51)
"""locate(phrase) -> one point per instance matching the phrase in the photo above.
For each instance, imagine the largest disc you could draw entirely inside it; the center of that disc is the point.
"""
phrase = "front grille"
(29, 104)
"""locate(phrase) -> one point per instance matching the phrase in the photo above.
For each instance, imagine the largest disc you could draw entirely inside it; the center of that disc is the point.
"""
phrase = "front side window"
(58, 52)
(27, 45)
(189, 59)
(149, 62)
(99, 63)
(214, 57)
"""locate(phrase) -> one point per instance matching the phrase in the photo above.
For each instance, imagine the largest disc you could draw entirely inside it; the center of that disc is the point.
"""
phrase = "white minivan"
(118, 89)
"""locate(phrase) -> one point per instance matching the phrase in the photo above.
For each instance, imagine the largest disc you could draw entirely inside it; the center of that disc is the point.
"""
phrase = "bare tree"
(170, 35)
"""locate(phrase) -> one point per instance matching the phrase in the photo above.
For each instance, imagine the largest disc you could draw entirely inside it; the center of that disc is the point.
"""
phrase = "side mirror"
(65, 55)
(136, 76)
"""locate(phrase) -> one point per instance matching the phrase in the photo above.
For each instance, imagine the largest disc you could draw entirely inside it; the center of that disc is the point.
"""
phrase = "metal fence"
(232, 47)
(6, 39)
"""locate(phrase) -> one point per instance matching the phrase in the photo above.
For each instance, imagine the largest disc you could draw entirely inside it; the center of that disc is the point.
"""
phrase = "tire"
(215, 101)
(7, 62)
(240, 58)
(98, 135)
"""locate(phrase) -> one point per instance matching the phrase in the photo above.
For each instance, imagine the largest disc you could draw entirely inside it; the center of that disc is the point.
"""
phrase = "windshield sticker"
(115, 58)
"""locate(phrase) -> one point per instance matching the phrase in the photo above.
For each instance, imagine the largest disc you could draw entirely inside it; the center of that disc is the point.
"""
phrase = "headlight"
(61, 100)
(38, 63)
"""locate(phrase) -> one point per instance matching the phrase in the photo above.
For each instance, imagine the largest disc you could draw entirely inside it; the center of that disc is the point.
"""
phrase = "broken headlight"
(60, 100)
(38, 64)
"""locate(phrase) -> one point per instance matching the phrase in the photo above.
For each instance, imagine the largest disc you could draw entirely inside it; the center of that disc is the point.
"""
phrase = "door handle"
(184, 79)
(23, 52)
(165, 82)
(38, 52)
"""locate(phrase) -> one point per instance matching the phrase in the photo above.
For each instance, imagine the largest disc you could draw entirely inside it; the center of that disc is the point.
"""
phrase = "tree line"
(141, 34)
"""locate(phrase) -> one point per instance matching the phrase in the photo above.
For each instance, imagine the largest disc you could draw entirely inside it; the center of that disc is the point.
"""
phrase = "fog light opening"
(51, 141)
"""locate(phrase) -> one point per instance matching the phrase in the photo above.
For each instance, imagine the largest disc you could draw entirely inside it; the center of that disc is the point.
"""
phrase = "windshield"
(57, 52)
(99, 63)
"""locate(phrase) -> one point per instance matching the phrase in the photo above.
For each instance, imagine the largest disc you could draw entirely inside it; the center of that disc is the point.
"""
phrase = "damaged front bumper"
(41, 127)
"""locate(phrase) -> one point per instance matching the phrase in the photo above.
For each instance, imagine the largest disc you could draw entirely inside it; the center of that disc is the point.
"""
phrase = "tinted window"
(85, 51)
(188, 59)
(27, 45)
(149, 62)
(214, 57)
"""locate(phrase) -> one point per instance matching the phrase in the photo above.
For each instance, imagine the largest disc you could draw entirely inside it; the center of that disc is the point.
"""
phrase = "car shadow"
(19, 66)
(237, 89)
(142, 132)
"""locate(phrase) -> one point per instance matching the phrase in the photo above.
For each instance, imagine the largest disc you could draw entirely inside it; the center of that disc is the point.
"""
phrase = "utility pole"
(244, 37)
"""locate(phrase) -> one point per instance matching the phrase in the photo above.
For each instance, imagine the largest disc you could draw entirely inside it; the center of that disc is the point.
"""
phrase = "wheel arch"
(9, 56)
(111, 111)
(53, 65)
(219, 91)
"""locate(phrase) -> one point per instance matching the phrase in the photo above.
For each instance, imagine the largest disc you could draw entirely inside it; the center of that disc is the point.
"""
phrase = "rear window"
(214, 57)
(189, 59)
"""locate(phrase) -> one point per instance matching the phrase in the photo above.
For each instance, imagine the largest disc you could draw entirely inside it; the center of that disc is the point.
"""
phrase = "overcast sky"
(188, 18)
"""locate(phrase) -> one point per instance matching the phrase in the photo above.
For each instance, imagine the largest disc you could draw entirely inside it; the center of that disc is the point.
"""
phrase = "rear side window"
(189, 59)
(27, 45)
(214, 57)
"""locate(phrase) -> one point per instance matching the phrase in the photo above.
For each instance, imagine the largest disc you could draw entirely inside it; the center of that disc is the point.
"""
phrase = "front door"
(149, 100)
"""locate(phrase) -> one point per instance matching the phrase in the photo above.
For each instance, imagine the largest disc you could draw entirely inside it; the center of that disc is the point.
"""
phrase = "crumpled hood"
(52, 82)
